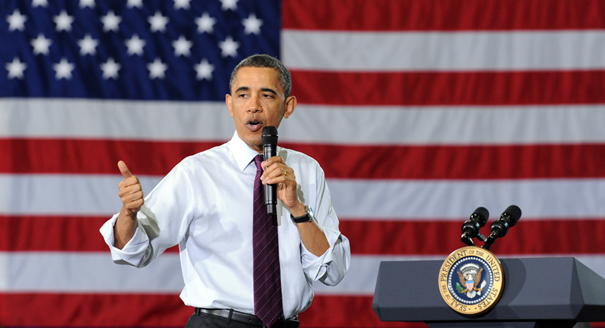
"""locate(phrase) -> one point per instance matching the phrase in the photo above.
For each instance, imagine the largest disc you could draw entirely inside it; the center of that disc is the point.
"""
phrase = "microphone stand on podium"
(472, 288)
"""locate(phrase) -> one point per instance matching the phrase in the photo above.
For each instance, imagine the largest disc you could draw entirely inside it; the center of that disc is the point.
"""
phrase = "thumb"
(124, 169)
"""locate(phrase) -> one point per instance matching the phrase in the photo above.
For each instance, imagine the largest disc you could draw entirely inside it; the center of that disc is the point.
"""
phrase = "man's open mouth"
(254, 125)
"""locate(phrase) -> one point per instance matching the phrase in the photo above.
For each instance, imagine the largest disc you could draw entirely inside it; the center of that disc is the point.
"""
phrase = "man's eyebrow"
(269, 90)
(244, 88)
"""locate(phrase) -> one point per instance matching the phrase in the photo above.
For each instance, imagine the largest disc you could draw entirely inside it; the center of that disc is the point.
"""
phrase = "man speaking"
(241, 266)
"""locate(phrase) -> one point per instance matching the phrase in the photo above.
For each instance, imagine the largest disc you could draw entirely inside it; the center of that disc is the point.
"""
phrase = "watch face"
(310, 212)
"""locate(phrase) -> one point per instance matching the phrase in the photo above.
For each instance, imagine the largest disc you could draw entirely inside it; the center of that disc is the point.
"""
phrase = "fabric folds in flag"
(418, 111)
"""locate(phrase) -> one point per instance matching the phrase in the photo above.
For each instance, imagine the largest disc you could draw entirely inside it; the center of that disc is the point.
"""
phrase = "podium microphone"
(471, 227)
(500, 227)
(270, 150)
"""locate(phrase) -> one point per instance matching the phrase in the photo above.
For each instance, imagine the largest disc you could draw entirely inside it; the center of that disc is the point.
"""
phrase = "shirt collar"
(241, 151)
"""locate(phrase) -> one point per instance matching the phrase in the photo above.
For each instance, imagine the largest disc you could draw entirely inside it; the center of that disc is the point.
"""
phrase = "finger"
(272, 160)
(131, 189)
(129, 181)
(124, 169)
(132, 198)
(135, 206)
(269, 171)
(277, 174)
(133, 201)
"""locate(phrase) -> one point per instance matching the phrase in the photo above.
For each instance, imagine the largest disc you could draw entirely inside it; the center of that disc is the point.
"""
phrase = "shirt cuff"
(133, 251)
(319, 264)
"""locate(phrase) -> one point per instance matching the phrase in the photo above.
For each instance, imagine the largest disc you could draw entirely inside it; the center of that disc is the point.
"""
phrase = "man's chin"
(253, 140)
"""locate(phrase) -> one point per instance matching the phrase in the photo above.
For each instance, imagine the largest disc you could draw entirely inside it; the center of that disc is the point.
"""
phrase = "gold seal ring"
(285, 172)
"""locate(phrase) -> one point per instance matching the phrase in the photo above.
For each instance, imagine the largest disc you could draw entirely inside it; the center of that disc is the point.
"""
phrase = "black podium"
(538, 292)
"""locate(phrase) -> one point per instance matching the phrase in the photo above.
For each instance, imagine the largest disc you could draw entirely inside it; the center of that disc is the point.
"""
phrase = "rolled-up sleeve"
(161, 222)
(133, 252)
(331, 267)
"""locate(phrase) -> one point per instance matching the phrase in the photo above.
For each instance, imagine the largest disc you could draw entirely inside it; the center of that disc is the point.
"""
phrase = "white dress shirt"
(205, 206)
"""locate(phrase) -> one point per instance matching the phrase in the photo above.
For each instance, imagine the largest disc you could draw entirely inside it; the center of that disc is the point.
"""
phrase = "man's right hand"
(130, 192)
(131, 195)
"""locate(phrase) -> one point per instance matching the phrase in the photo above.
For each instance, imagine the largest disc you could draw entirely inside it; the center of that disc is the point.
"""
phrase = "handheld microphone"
(500, 227)
(471, 227)
(270, 150)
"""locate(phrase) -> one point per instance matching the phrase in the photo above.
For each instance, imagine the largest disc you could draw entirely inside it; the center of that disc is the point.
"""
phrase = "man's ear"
(290, 106)
(229, 102)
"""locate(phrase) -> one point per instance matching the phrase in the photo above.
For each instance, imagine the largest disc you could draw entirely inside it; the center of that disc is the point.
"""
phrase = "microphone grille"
(270, 135)
(514, 212)
(482, 214)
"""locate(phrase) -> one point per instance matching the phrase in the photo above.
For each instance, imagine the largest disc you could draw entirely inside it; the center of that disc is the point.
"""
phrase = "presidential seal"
(471, 280)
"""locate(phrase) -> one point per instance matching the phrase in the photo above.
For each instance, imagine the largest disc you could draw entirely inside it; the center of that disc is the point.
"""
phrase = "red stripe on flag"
(54, 233)
(449, 162)
(160, 310)
(89, 156)
(529, 237)
(444, 162)
(346, 311)
(372, 237)
(436, 15)
(93, 310)
(449, 88)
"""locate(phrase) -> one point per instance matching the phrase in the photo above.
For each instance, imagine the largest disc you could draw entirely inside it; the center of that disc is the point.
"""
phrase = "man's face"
(257, 100)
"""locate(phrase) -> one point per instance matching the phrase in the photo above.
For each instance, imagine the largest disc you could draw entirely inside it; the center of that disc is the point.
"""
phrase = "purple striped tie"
(267, 281)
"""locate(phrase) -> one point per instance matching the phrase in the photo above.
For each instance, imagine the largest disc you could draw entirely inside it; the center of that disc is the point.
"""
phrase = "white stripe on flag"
(454, 125)
(68, 194)
(115, 119)
(443, 51)
(383, 199)
(172, 121)
(96, 273)
(85, 272)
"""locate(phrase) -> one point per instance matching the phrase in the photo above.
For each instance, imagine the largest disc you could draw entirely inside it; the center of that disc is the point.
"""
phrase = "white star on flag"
(15, 68)
(157, 69)
(158, 22)
(204, 70)
(16, 21)
(135, 45)
(87, 3)
(181, 46)
(205, 23)
(41, 45)
(229, 4)
(110, 69)
(229, 47)
(88, 45)
(181, 4)
(252, 24)
(63, 21)
(39, 3)
(134, 3)
(63, 69)
(111, 21)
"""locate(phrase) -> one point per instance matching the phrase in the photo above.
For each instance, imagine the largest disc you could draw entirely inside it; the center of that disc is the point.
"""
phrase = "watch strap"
(307, 217)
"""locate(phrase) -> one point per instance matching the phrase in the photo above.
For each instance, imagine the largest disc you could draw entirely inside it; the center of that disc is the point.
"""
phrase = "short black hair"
(262, 60)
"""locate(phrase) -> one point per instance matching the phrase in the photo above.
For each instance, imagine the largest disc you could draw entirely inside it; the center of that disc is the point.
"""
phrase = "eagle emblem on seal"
(471, 282)
(470, 277)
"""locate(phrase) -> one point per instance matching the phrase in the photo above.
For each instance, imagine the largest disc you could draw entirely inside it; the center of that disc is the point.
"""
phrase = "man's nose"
(255, 104)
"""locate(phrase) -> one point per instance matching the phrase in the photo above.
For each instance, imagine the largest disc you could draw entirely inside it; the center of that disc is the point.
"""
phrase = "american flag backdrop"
(419, 111)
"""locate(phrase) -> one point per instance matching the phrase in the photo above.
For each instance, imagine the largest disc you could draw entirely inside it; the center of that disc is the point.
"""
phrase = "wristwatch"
(307, 217)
